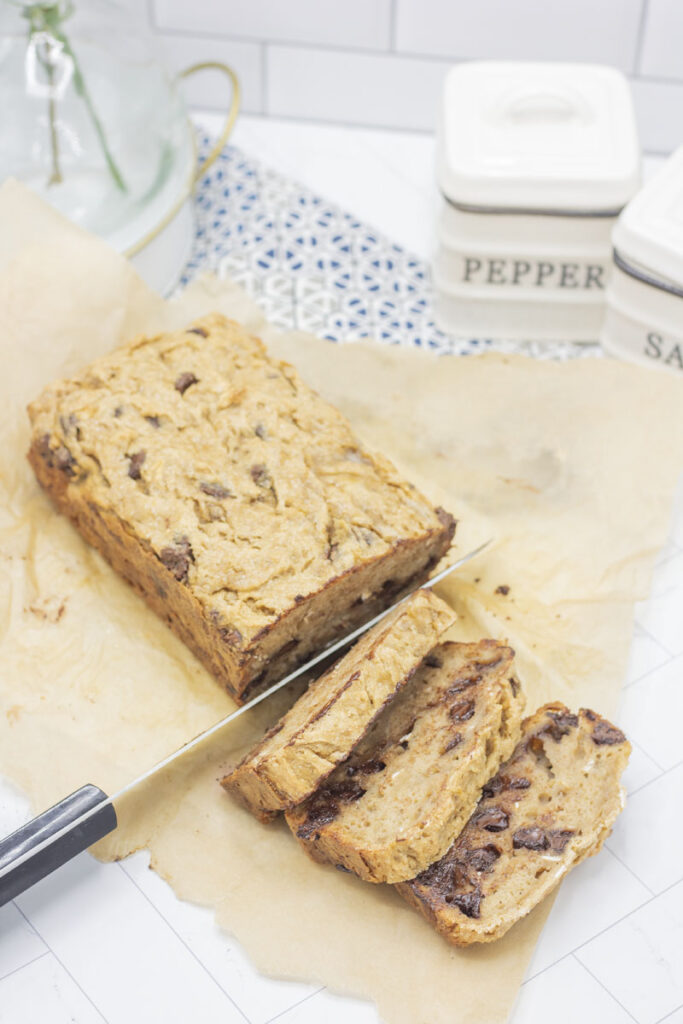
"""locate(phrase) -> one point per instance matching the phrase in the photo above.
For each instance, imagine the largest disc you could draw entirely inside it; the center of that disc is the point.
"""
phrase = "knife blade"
(43, 844)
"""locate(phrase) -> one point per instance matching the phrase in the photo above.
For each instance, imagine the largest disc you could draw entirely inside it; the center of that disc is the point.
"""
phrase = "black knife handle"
(42, 861)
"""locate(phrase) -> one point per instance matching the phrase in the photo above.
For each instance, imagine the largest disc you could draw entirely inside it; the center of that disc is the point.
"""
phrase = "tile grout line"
(46, 952)
(640, 37)
(605, 989)
(613, 924)
(648, 755)
(668, 1015)
(370, 51)
(665, 771)
(184, 943)
(392, 26)
(63, 966)
(634, 682)
(630, 870)
(289, 1009)
(264, 79)
(647, 632)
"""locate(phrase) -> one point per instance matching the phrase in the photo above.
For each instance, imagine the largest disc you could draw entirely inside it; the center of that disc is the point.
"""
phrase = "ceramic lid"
(649, 232)
(554, 137)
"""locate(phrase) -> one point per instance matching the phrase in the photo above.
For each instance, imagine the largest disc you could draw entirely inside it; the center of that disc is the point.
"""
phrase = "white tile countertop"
(110, 942)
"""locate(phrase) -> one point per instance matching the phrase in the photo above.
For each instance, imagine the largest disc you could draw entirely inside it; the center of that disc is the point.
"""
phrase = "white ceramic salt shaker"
(644, 317)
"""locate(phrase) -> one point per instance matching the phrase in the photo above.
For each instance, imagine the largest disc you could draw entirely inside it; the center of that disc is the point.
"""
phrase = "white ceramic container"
(644, 316)
(534, 163)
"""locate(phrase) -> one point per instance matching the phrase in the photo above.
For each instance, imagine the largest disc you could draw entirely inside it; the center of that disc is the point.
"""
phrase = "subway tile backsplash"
(362, 88)
(359, 23)
(381, 62)
(604, 31)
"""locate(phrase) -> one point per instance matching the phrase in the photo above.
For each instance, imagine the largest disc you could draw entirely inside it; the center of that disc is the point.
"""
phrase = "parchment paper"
(570, 467)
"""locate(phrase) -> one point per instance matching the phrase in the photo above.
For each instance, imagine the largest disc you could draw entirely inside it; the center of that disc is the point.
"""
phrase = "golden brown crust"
(131, 450)
(549, 807)
(411, 783)
(330, 718)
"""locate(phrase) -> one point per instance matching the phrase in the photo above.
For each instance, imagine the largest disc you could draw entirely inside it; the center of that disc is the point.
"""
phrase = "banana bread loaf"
(322, 728)
(412, 782)
(235, 500)
(552, 805)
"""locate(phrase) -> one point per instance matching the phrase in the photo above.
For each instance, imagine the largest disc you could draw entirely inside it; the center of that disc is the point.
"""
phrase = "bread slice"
(232, 497)
(549, 807)
(412, 782)
(329, 719)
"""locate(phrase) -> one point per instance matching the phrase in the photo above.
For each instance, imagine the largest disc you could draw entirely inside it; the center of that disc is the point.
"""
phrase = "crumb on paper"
(48, 609)
(524, 485)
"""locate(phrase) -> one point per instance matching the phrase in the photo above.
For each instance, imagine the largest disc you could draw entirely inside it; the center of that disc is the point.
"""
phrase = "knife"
(54, 837)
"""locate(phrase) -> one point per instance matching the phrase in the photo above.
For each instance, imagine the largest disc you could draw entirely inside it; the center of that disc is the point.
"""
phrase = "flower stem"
(56, 175)
(48, 17)
(82, 90)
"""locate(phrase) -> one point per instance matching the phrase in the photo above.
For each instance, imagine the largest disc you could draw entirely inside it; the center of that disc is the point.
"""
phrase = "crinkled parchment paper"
(571, 468)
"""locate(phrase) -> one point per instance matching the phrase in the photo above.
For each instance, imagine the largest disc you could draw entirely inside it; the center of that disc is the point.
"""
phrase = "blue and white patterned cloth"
(313, 266)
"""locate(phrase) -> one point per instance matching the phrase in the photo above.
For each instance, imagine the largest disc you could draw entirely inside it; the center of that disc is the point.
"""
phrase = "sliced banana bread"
(329, 719)
(236, 501)
(412, 782)
(551, 805)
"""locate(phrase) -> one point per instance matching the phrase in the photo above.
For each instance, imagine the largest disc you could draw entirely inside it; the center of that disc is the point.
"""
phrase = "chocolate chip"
(198, 330)
(468, 902)
(260, 475)
(118, 412)
(231, 635)
(64, 460)
(561, 724)
(493, 819)
(215, 490)
(502, 782)
(370, 767)
(492, 787)
(606, 734)
(515, 782)
(153, 421)
(135, 464)
(463, 711)
(184, 381)
(433, 661)
(463, 682)
(438, 876)
(324, 806)
(260, 431)
(57, 458)
(503, 589)
(483, 857)
(298, 598)
(70, 423)
(452, 743)
(177, 559)
(559, 838)
(531, 838)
